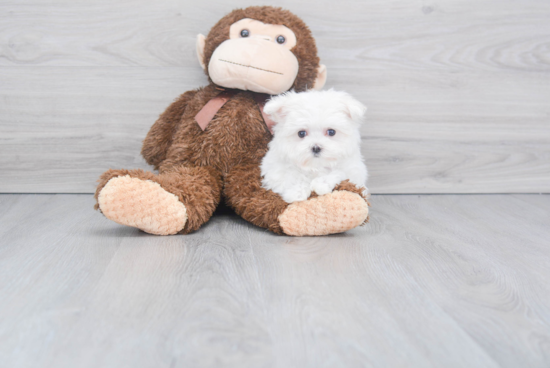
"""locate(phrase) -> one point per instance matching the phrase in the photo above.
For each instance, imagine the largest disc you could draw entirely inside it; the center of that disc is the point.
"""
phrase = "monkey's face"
(256, 57)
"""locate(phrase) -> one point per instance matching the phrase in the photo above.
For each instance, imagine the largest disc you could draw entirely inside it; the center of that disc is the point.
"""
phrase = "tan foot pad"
(328, 214)
(142, 204)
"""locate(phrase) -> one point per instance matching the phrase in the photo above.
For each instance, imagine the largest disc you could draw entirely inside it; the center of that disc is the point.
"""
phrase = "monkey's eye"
(302, 133)
(281, 39)
(331, 132)
(245, 33)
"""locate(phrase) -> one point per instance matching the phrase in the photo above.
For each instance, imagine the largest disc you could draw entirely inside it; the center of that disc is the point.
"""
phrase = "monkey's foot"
(142, 204)
(332, 213)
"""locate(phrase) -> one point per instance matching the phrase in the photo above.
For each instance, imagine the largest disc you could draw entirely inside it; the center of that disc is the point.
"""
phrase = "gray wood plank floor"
(431, 281)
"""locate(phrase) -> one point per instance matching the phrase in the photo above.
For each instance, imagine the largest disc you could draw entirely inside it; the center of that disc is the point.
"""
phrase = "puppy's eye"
(331, 132)
(281, 39)
(245, 33)
(302, 133)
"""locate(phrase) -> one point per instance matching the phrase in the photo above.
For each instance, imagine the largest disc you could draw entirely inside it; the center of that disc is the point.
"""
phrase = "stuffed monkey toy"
(209, 143)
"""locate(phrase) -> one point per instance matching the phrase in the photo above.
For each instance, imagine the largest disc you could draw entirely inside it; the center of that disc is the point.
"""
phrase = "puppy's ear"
(353, 108)
(276, 108)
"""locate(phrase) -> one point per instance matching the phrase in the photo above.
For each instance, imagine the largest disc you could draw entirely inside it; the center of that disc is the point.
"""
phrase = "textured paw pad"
(142, 204)
(333, 213)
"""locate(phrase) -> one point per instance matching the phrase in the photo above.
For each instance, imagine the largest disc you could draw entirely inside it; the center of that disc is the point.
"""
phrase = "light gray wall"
(458, 90)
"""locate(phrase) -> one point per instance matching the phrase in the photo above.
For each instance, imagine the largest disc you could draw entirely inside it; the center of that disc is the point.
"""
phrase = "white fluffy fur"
(290, 167)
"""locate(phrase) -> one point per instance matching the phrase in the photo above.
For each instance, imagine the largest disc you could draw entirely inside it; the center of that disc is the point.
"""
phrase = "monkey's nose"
(316, 149)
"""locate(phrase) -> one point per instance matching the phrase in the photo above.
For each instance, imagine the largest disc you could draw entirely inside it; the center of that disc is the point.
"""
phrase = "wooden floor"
(431, 281)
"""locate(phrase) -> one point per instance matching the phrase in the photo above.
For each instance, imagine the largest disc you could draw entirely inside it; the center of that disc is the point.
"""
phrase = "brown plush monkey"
(209, 143)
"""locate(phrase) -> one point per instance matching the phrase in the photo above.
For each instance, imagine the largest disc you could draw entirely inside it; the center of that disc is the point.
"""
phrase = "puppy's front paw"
(296, 195)
(322, 186)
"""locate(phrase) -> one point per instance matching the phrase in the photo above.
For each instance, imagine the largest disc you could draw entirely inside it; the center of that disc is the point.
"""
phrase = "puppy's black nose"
(316, 149)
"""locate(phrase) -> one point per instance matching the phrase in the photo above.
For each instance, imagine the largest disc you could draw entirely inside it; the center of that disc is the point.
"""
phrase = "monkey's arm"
(160, 135)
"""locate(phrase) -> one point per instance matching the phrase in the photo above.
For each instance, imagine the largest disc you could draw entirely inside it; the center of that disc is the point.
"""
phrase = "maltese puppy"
(316, 144)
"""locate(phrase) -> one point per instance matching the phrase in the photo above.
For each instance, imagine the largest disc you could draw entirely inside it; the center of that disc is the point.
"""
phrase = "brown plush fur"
(160, 135)
(200, 166)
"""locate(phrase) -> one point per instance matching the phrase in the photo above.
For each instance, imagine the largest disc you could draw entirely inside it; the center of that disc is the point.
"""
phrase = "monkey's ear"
(321, 77)
(201, 41)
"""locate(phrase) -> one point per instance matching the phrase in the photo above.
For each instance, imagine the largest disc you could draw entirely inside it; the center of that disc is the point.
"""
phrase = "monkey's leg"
(243, 191)
(175, 201)
(336, 212)
(343, 209)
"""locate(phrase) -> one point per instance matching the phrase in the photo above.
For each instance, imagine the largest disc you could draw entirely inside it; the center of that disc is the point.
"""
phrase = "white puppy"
(316, 144)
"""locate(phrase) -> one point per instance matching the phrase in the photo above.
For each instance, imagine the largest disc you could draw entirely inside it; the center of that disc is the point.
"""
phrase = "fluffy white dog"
(316, 144)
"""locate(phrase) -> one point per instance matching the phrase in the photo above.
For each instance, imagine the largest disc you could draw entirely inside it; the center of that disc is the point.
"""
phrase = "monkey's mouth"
(250, 66)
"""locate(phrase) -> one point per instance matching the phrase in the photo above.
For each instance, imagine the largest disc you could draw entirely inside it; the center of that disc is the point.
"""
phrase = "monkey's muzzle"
(253, 64)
